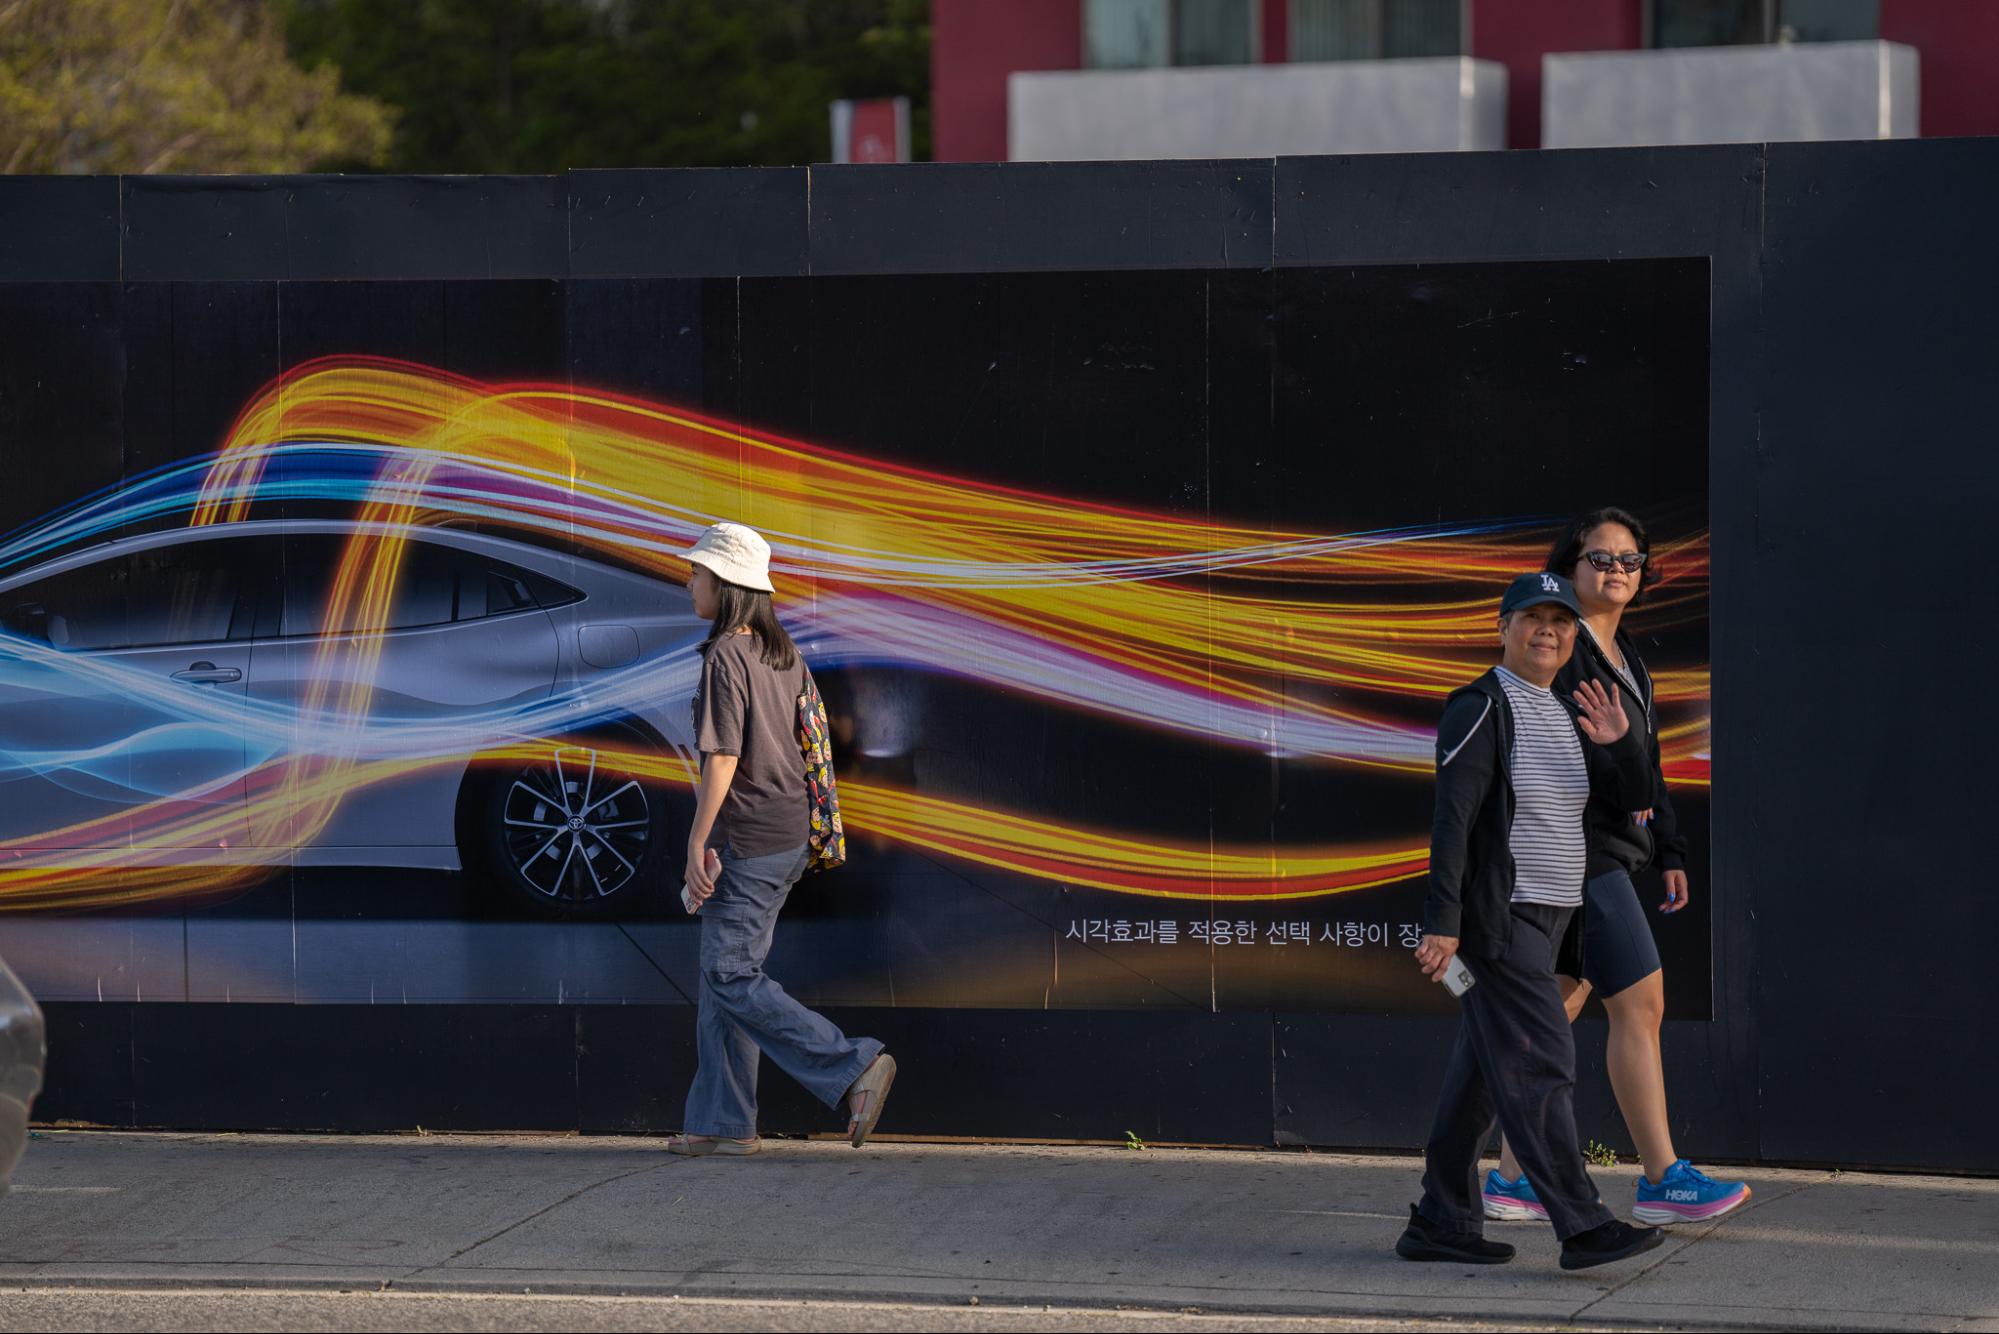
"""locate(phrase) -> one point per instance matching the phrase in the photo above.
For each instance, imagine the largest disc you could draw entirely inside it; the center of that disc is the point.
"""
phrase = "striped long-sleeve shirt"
(1550, 790)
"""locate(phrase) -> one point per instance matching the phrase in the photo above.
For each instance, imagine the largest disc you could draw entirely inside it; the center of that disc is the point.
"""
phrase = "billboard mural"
(1134, 596)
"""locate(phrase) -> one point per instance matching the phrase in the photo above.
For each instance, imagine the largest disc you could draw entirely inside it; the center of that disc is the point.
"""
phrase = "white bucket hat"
(735, 554)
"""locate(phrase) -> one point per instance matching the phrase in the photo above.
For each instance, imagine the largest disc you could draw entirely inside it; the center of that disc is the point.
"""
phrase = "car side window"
(425, 587)
(189, 593)
(425, 583)
(24, 613)
(486, 588)
(549, 593)
(308, 560)
(505, 590)
(77, 609)
(184, 593)
(435, 585)
(494, 588)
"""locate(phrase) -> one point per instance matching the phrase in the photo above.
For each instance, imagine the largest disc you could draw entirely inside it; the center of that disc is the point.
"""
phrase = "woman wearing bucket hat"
(747, 848)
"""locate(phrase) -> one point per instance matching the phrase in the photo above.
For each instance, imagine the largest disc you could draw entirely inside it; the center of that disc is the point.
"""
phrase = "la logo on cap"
(1548, 584)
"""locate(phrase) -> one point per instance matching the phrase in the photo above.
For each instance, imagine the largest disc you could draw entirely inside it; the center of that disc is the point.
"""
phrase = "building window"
(1145, 34)
(1127, 34)
(1375, 29)
(1214, 32)
(1750, 22)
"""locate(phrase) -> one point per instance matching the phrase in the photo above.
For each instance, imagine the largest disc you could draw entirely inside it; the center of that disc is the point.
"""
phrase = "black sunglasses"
(1631, 562)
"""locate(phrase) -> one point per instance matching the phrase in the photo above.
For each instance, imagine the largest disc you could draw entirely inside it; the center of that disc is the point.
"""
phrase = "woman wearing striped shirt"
(1516, 768)
(1606, 555)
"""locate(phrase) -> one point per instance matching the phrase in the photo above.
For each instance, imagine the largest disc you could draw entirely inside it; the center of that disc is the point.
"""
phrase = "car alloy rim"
(574, 832)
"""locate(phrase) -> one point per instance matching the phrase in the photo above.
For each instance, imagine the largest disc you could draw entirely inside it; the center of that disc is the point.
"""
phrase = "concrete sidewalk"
(1277, 1233)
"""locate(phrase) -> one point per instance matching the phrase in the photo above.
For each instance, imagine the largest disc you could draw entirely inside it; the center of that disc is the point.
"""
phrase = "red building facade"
(977, 43)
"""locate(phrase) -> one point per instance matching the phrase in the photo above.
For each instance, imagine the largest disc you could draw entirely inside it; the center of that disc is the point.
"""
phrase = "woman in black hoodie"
(1607, 557)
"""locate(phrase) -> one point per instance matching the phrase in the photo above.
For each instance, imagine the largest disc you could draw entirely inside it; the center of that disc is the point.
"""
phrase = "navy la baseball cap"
(1531, 590)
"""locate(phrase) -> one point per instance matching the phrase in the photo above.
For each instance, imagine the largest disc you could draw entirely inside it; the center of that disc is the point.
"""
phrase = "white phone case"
(1457, 978)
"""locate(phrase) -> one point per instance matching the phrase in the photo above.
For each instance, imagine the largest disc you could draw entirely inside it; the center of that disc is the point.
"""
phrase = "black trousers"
(1516, 1060)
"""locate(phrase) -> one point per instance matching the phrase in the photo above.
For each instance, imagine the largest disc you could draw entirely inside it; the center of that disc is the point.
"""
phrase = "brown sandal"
(872, 1088)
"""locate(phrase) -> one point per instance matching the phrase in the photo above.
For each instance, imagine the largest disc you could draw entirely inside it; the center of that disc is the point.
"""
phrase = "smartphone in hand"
(1457, 978)
(712, 861)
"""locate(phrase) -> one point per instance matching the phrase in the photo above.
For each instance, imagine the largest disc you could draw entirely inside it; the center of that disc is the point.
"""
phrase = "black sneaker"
(1424, 1240)
(1615, 1240)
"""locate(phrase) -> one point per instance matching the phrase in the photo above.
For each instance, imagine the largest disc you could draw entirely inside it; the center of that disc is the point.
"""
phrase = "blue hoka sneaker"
(1511, 1199)
(1685, 1195)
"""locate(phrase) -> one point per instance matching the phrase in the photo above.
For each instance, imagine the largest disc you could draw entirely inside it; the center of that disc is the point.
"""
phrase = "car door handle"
(208, 674)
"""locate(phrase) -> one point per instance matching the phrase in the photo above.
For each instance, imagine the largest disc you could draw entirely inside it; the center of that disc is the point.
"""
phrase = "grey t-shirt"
(744, 708)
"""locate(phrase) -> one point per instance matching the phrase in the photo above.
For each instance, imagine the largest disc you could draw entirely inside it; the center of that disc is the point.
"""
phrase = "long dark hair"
(1568, 548)
(736, 607)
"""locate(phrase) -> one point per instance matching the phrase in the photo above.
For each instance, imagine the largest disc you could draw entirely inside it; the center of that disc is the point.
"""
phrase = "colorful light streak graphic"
(1316, 648)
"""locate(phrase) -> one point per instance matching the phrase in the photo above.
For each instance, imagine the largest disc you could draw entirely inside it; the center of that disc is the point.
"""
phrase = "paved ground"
(268, 1231)
(394, 1313)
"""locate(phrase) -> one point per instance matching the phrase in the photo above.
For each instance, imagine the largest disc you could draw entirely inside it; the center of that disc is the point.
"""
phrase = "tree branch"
(167, 154)
(166, 27)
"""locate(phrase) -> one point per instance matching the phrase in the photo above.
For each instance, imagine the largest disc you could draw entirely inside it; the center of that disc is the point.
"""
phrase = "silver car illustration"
(23, 1053)
(166, 668)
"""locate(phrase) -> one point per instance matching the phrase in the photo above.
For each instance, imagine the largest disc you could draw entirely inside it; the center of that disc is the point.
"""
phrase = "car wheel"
(573, 834)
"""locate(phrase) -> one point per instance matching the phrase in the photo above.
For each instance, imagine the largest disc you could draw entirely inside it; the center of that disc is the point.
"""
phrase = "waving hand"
(1603, 718)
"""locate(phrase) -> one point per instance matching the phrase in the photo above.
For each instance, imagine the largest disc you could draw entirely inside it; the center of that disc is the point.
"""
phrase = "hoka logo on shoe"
(1684, 1196)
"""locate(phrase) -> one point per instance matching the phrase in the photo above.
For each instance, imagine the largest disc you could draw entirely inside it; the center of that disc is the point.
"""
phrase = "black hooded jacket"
(1471, 859)
(1614, 840)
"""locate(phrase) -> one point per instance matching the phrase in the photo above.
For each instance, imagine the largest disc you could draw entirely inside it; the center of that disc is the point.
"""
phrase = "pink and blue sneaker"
(1683, 1195)
(1511, 1199)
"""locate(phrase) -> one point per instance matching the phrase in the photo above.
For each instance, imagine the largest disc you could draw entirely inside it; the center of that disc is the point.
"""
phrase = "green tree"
(137, 86)
(546, 85)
